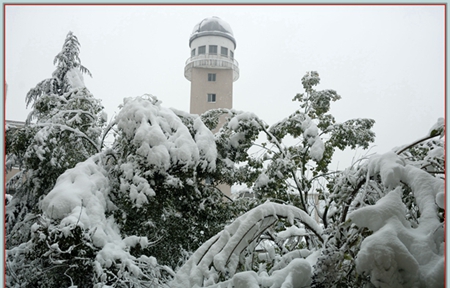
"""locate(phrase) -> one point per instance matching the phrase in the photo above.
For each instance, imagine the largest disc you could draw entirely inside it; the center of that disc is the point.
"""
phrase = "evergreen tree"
(63, 128)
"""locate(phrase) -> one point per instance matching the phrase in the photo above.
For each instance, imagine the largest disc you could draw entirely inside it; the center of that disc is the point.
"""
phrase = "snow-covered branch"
(222, 254)
(77, 132)
(395, 252)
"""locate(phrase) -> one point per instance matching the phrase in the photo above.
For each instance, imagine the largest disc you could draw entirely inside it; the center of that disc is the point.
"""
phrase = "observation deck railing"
(215, 61)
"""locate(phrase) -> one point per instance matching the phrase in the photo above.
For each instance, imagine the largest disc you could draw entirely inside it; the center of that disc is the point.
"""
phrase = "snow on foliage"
(313, 139)
(162, 138)
(67, 129)
(163, 141)
(397, 255)
(438, 128)
(206, 145)
(75, 78)
(86, 206)
(86, 203)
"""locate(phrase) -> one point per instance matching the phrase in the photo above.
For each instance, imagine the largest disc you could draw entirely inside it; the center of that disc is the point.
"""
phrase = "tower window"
(193, 52)
(211, 77)
(212, 49)
(211, 97)
(201, 50)
(224, 51)
(231, 54)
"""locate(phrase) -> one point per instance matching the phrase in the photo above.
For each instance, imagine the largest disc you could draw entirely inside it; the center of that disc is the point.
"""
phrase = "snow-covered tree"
(293, 158)
(163, 158)
(63, 129)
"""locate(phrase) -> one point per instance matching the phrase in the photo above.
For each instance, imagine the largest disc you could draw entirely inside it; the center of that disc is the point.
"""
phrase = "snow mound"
(311, 134)
(80, 197)
(390, 167)
(157, 132)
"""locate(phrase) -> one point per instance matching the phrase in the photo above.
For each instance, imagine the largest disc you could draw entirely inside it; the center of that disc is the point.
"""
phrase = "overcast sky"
(387, 62)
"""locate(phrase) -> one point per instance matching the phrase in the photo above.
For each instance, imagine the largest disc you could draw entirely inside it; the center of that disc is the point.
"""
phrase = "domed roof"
(212, 26)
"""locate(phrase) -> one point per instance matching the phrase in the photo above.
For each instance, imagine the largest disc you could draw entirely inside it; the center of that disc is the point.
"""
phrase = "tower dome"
(212, 26)
(212, 46)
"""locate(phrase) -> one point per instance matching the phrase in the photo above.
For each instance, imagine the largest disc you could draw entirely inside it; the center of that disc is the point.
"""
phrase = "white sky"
(387, 62)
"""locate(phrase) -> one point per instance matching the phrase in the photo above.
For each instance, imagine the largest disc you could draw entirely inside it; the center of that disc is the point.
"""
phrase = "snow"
(311, 134)
(263, 180)
(162, 143)
(291, 232)
(75, 78)
(247, 279)
(440, 200)
(161, 137)
(206, 145)
(233, 124)
(438, 126)
(437, 152)
(376, 216)
(86, 203)
(317, 149)
(397, 255)
(390, 167)
(288, 257)
(296, 274)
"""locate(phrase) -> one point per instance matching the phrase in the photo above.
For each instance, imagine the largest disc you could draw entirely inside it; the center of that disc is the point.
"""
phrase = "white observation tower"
(211, 68)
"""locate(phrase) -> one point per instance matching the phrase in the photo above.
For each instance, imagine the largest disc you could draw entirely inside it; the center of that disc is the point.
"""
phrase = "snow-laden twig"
(77, 111)
(283, 152)
(71, 280)
(415, 143)
(81, 210)
(106, 131)
(75, 131)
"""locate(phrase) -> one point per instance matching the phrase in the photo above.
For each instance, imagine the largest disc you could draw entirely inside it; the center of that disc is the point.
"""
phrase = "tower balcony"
(214, 61)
